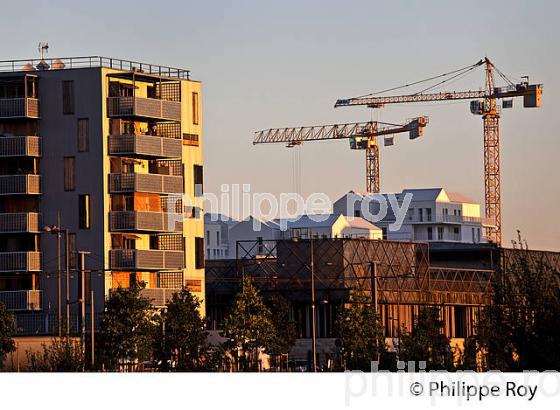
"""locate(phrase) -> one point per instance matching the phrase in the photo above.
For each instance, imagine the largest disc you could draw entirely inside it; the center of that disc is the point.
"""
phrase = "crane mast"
(485, 104)
(362, 136)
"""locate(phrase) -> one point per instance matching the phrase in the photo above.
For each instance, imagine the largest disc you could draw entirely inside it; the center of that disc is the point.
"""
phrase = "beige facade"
(121, 150)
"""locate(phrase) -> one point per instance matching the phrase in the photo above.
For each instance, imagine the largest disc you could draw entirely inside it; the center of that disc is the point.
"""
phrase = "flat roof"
(16, 66)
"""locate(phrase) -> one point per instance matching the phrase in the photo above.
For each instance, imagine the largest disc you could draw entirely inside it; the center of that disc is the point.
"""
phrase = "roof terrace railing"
(96, 61)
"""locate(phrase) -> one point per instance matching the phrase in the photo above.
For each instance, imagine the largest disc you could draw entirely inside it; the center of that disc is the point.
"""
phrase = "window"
(72, 249)
(84, 211)
(460, 313)
(198, 253)
(218, 237)
(67, 97)
(208, 238)
(69, 173)
(473, 235)
(429, 214)
(83, 134)
(420, 216)
(440, 233)
(430, 233)
(195, 108)
(198, 180)
(260, 245)
(357, 213)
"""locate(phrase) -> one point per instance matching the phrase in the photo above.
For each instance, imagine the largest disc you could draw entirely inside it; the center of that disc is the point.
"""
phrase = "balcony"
(145, 146)
(145, 221)
(21, 222)
(20, 185)
(20, 261)
(19, 108)
(22, 300)
(451, 219)
(151, 183)
(118, 107)
(159, 296)
(20, 147)
(145, 259)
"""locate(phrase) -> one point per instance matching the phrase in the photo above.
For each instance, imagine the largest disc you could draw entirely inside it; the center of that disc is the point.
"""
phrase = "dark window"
(199, 253)
(430, 235)
(198, 180)
(83, 134)
(357, 213)
(69, 173)
(68, 97)
(460, 321)
(195, 108)
(84, 211)
(72, 248)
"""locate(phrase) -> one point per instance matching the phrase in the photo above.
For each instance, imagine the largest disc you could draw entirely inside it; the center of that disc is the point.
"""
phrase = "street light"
(313, 318)
(56, 230)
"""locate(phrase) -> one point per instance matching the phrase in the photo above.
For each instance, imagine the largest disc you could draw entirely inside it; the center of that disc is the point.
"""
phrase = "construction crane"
(362, 136)
(484, 104)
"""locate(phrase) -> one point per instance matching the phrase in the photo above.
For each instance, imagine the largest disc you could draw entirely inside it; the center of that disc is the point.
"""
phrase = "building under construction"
(400, 277)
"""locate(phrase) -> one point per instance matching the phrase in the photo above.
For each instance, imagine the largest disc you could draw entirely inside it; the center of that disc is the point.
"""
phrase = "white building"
(224, 240)
(433, 215)
(216, 235)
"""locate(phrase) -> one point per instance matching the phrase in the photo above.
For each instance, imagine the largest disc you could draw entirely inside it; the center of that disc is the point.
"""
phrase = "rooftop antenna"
(43, 49)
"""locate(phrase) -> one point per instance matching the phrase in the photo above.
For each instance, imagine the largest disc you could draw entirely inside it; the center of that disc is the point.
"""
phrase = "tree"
(7, 331)
(181, 337)
(248, 327)
(64, 354)
(285, 333)
(427, 342)
(127, 329)
(359, 329)
(521, 328)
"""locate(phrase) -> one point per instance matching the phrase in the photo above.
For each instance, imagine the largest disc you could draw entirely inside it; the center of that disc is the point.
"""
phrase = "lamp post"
(56, 230)
(313, 307)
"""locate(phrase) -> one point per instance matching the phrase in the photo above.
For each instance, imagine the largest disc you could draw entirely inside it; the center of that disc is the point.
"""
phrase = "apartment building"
(108, 151)
(434, 215)
(216, 235)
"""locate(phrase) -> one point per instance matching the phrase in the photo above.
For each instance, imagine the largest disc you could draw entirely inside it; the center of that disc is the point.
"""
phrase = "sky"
(284, 63)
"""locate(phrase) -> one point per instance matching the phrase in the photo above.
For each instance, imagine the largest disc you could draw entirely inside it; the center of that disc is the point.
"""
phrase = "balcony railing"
(21, 300)
(19, 108)
(453, 219)
(20, 146)
(145, 146)
(20, 222)
(145, 221)
(143, 107)
(20, 184)
(145, 259)
(159, 296)
(20, 261)
(446, 237)
(152, 183)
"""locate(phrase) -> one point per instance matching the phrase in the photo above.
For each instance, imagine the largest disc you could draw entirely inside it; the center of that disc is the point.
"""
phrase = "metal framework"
(490, 117)
(363, 136)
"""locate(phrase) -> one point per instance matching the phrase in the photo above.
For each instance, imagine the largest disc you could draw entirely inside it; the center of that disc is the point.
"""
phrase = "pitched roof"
(458, 197)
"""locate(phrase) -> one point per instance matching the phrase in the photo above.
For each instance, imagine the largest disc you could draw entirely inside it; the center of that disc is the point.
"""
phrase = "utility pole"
(92, 319)
(313, 318)
(67, 257)
(82, 297)
(59, 277)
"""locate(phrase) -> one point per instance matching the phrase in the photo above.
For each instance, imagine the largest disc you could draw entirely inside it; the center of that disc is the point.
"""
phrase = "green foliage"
(127, 329)
(249, 326)
(521, 329)
(427, 342)
(64, 354)
(359, 329)
(7, 331)
(285, 333)
(181, 337)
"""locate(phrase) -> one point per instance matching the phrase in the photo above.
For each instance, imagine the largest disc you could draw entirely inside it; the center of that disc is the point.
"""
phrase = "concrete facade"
(121, 151)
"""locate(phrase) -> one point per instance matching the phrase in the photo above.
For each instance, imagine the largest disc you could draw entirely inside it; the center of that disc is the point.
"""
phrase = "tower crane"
(485, 104)
(362, 136)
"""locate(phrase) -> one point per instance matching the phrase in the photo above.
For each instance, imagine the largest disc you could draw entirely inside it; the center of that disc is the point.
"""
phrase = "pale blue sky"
(283, 63)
